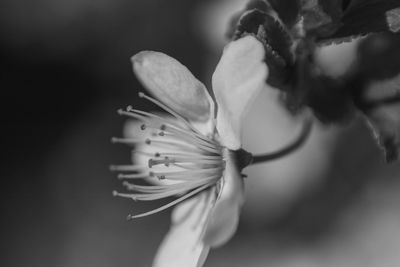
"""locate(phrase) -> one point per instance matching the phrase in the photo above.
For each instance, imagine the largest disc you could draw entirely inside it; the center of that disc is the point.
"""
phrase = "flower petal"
(239, 76)
(183, 246)
(173, 84)
(224, 218)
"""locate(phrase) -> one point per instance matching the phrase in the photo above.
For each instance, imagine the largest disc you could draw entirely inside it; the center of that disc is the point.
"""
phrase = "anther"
(147, 141)
(163, 127)
(143, 127)
(161, 133)
(114, 193)
(150, 163)
(167, 162)
(141, 94)
(156, 154)
(161, 177)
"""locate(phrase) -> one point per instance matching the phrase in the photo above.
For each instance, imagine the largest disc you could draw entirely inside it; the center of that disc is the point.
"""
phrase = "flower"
(191, 153)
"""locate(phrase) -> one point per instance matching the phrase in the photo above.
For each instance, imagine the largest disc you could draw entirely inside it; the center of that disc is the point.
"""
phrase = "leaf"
(367, 16)
(379, 97)
(384, 115)
(288, 10)
(379, 56)
(334, 8)
(314, 17)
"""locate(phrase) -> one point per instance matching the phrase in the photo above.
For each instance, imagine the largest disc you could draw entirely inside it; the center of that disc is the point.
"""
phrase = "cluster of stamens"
(184, 162)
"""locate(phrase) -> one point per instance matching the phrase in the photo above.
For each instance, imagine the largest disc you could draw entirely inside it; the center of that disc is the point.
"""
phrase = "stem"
(296, 144)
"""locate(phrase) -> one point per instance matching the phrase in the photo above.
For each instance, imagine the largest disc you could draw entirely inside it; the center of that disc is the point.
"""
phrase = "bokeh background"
(65, 70)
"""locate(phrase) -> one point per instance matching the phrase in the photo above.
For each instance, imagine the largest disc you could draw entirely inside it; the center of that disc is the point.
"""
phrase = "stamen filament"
(128, 141)
(167, 161)
(183, 186)
(133, 176)
(180, 132)
(126, 168)
(185, 175)
(169, 110)
(164, 120)
(172, 203)
(183, 145)
(191, 155)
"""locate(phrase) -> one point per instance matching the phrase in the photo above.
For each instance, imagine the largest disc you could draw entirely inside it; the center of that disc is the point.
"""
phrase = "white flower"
(193, 151)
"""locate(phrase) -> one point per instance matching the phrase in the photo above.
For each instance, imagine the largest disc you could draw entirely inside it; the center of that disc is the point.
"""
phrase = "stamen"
(198, 158)
(133, 176)
(128, 141)
(144, 153)
(172, 203)
(153, 162)
(181, 187)
(148, 193)
(197, 161)
(185, 166)
(117, 194)
(169, 110)
(133, 115)
(164, 120)
(192, 155)
(205, 145)
(175, 145)
(126, 168)
(188, 175)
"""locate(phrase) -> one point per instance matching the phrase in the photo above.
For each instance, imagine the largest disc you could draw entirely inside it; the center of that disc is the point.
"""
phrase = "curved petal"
(173, 84)
(183, 246)
(239, 76)
(224, 218)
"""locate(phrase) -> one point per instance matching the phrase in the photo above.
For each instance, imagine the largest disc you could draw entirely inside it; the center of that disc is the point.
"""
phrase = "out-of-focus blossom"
(192, 153)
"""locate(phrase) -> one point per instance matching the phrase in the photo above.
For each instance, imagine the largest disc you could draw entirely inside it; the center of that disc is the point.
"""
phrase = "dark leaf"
(379, 57)
(367, 16)
(326, 96)
(288, 10)
(260, 6)
(334, 8)
(314, 16)
(378, 77)
(383, 114)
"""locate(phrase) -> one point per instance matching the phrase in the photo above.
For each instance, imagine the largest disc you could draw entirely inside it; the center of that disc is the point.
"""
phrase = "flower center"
(172, 157)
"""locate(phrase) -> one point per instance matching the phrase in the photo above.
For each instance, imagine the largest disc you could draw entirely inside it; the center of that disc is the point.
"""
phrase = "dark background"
(65, 70)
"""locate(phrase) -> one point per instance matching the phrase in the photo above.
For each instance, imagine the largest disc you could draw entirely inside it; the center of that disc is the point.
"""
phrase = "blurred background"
(65, 70)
